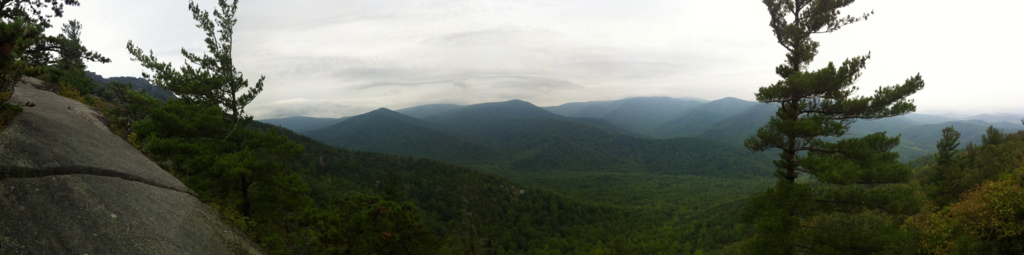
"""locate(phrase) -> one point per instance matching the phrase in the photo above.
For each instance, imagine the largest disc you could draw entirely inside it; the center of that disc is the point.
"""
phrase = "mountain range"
(727, 120)
(651, 158)
(518, 137)
(561, 211)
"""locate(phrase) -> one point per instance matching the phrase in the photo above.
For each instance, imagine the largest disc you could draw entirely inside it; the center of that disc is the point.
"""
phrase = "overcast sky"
(331, 58)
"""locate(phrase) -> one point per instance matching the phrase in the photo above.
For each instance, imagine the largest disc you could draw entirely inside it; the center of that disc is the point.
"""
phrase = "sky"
(331, 58)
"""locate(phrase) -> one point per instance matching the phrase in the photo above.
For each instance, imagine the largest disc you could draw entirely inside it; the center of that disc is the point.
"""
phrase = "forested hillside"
(588, 159)
(301, 123)
(732, 120)
(424, 111)
(294, 195)
(104, 89)
(390, 132)
(518, 137)
(974, 196)
(811, 168)
(467, 205)
(968, 200)
(727, 120)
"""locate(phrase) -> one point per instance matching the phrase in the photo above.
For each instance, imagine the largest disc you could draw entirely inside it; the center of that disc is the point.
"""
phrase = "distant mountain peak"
(518, 102)
(511, 105)
(428, 110)
(730, 99)
(649, 97)
(382, 109)
(382, 112)
(479, 115)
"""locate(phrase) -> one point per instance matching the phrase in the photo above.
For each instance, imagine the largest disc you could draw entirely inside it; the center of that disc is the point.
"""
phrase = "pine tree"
(204, 138)
(34, 11)
(213, 81)
(15, 36)
(947, 146)
(948, 180)
(992, 136)
(24, 46)
(71, 57)
(856, 182)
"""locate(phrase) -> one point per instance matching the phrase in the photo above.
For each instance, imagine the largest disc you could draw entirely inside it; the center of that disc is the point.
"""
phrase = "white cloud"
(347, 57)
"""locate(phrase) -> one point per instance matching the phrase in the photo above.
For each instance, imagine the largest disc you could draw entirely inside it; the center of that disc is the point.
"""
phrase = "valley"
(528, 144)
(497, 149)
(729, 121)
(563, 211)
(671, 163)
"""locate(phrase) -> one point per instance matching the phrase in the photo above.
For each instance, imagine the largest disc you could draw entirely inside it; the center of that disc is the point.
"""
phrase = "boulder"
(69, 186)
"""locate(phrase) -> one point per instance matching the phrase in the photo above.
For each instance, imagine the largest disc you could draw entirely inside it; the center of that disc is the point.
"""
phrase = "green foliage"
(8, 112)
(63, 60)
(210, 79)
(66, 90)
(947, 146)
(992, 136)
(472, 211)
(15, 36)
(25, 48)
(660, 190)
(919, 140)
(203, 139)
(866, 231)
(665, 191)
(132, 106)
(142, 85)
(34, 11)
(946, 177)
(364, 224)
(976, 206)
(71, 53)
(511, 138)
(988, 220)
(975, 164)
(845, 207)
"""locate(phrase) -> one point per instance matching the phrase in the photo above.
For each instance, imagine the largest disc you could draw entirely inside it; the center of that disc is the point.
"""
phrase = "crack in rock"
(10, 172)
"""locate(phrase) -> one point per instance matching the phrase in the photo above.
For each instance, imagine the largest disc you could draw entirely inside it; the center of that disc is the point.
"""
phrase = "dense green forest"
(585, 158)
(512, 178)
(294, 195)
(538, 218)
(517, 137)
(727, 120)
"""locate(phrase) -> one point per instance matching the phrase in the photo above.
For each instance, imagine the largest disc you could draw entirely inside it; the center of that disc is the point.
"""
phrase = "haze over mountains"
(518, 137)
(476, 127)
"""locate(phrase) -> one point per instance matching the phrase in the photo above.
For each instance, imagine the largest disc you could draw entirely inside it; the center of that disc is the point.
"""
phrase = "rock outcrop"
(69, 186)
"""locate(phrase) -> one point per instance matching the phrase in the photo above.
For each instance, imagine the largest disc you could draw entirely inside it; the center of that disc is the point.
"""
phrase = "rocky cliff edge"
(69, 186)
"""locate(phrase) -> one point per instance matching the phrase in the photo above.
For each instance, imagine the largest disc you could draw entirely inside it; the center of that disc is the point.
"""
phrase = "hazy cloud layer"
(337, 58)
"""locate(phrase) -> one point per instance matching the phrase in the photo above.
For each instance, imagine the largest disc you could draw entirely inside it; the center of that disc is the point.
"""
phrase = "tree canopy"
(855, 182)
(24, 48)
(202, 137)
